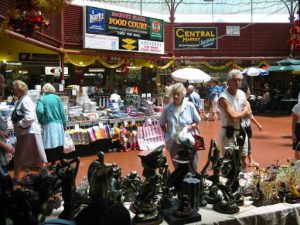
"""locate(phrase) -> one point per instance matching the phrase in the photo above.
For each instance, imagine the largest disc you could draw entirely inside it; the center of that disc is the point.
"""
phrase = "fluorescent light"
(96, 70)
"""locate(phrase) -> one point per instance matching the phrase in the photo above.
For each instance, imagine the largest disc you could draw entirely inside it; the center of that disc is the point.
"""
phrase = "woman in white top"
(29, 148)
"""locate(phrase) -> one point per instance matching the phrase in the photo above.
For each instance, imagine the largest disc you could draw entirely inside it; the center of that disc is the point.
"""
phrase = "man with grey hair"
(233, 108)
(194, 97)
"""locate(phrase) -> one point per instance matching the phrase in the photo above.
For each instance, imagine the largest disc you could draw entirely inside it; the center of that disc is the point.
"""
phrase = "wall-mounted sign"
(36, 57)
(55, 70)
(195, 37)
(112, 30)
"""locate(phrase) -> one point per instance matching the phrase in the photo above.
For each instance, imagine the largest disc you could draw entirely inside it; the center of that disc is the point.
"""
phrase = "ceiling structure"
(254, 11)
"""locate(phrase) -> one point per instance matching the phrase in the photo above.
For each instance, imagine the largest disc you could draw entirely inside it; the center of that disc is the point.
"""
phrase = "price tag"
(76, 127)
(60, 87)
(133, 122)
(125, 123)
(101, 125)
(74, 92)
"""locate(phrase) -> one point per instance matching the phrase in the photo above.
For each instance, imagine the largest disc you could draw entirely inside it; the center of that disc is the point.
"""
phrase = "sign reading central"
(195, 37)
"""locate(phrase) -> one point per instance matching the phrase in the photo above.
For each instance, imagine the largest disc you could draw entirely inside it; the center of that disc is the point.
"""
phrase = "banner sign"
(195, 37)
(112, 30)
(37, 57)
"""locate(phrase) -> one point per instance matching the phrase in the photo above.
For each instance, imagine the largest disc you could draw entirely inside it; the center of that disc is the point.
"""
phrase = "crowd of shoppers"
(227, 102)
(35, 145)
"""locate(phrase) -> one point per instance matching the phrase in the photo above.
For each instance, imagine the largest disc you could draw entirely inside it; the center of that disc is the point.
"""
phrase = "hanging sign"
(195, 37)
(112, 30)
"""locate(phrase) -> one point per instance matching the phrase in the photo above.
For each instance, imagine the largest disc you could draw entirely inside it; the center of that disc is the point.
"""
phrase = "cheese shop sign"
(195, 37)
(112, 30)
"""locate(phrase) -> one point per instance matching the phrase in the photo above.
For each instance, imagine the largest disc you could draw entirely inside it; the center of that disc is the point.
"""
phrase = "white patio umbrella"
(254, 71)
(190, 75)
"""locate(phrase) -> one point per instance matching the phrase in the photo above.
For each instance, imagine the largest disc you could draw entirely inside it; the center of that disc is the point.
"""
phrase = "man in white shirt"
(115, 97)
(233, 108)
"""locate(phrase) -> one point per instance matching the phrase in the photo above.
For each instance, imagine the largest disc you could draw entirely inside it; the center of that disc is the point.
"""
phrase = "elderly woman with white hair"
(29, 149)
(51, 115)
(178, 115)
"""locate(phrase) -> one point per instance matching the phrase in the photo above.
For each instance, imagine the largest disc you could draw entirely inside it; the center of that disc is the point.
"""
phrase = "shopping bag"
(69, 144)
(150, 136)
(199, 141)
(140, 139)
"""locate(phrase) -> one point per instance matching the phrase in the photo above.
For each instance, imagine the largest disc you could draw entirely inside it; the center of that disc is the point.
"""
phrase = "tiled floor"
(272, 144)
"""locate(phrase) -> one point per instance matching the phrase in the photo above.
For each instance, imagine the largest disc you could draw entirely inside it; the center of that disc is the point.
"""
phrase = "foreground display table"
(288, 104)
(278, 214)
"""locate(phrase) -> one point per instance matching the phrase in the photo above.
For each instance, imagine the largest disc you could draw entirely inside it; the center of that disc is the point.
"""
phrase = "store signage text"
(195, 37)
(55, 70)
(37, 57)
(122, 31)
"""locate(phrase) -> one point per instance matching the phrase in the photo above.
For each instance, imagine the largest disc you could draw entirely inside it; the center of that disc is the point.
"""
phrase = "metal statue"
(144, 205)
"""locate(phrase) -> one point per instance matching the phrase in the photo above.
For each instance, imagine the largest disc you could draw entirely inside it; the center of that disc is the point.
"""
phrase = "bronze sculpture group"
(175, 197)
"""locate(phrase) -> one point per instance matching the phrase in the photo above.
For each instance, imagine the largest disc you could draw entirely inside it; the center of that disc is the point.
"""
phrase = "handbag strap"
(194, 131)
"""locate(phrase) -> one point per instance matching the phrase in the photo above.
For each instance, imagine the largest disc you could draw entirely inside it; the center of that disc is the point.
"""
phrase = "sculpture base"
(259, 203)
(169, 216)
(292, 199)
(225, 208)
(155, 221)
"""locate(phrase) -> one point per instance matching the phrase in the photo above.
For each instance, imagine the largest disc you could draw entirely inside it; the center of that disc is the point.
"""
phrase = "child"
(246, 123)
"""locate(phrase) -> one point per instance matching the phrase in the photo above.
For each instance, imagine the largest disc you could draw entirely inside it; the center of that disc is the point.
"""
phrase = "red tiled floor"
(270, 145)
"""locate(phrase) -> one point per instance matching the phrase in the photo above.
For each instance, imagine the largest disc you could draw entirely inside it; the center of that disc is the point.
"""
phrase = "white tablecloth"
(278, 214)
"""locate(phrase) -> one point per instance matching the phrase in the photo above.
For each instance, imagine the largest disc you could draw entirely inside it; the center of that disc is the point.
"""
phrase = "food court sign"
(112, 30)
(195, 37)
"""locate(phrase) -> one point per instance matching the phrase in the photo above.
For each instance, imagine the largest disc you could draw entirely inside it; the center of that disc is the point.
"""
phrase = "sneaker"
(254, 164)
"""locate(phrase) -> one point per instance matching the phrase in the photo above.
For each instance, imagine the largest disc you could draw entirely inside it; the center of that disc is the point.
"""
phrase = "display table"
(105, 144)
(278, 214)
(288, 104)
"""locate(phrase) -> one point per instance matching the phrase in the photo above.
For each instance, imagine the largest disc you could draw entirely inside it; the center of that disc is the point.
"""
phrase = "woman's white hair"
(234, 73)
(179, 87)
(48, 88)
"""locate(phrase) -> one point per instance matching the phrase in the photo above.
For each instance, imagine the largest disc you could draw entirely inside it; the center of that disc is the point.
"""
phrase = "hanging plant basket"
(26, 15)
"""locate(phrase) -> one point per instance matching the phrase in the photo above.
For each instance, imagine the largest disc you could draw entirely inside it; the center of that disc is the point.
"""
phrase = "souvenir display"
(185, 201)
(103, 178)
(67, 173)
(144, 205)
(37, 195)
(131, 185)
